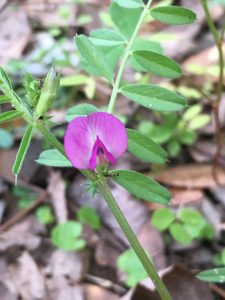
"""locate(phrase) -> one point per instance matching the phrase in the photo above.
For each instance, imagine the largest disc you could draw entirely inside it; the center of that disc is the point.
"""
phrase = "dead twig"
(23, 213)
(217, 290)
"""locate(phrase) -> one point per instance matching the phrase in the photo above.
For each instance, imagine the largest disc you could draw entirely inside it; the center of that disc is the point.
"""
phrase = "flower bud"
(49, 92)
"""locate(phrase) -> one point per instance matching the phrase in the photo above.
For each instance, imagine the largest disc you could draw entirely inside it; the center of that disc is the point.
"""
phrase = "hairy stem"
(124, 225)
(219, 88)
(125, 58)
(107, 195)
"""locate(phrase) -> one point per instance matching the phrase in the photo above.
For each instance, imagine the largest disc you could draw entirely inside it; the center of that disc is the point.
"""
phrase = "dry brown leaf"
(191, 176)
(7, 158)
(23, 234)
(15, 34)
(152, 241)
(28, 279)
(48, 12)
(56, 189)
(182, 284)
(64, 271)
(94, 292)
(134, 211)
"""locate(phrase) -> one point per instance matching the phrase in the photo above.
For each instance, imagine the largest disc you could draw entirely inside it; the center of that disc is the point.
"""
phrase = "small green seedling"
(130, 264)
(25, 197)
(88, 215)
(67, 236)
(185, 226)
(44, 215)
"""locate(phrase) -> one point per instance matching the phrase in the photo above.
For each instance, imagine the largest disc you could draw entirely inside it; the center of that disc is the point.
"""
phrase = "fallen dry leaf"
(182, 284)
(152, 241)
(56, 189)
(28, 279)
(13, 42)
(191, 176)
(134, 211)
(48, 12)
(24, 234)
(94, 292)
(63, 273)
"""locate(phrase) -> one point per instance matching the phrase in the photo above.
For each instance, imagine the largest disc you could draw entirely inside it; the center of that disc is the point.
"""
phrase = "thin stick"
(23, 213)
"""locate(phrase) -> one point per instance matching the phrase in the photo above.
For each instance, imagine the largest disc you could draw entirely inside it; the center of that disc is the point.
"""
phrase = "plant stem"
(125, 58)
(111, 202)
(146, 262)
(219, 88)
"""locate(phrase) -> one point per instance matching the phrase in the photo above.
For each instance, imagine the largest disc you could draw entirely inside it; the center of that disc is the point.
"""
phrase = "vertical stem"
(219, 88)
(111, 202)
(146, 262)
(125, 58)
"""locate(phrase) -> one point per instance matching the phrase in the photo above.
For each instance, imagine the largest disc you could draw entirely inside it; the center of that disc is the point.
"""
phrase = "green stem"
(111, 202)
(125, 58)
(146, 262)
(219, 88)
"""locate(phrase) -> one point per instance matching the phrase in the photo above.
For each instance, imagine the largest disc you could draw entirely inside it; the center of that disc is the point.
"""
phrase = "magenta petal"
(99, 146)
(99, 135)
(77, 143)
(111, 131)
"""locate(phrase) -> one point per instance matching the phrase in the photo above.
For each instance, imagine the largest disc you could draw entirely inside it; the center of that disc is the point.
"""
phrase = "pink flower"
(94, 140)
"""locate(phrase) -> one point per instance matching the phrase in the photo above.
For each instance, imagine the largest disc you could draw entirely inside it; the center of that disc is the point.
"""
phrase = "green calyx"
(49, 92)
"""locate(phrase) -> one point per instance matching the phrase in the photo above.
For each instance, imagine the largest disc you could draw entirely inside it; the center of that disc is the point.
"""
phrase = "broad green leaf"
(144, 148)
(179, 233)
(53, 158)
(111, 44)
(66, 236)
(10, 116)
(144, 44)
(157, 63)
(4, 99)
(44, 215)
(129, 263)
(106, 37)
(142, 187)
(190, 216)
(83, 109)
(6, 139)
(199, 122)
(88, 215)
(94, 57)
(213, 275)
(125, 19)
(153, 97)
(22, 151)
(162, 218)
(174, 15)
(129, 3)
(194, 231)
(192, 112)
